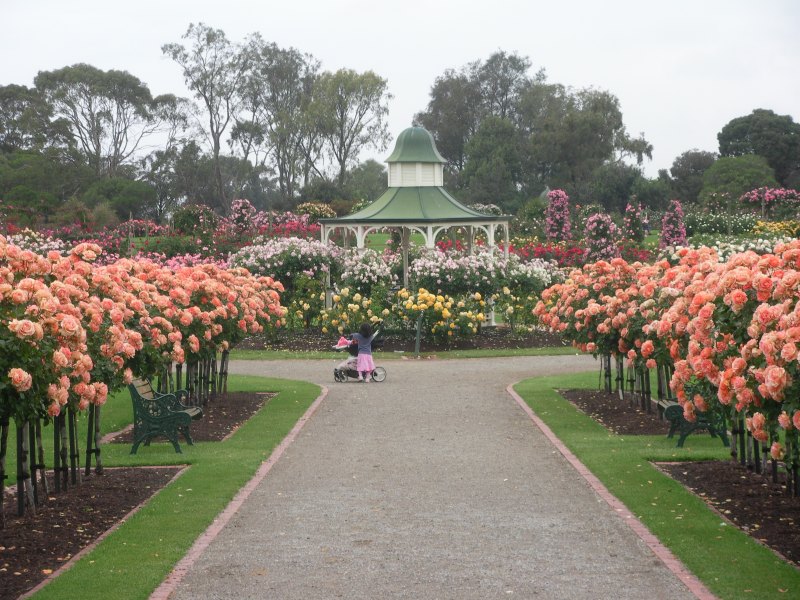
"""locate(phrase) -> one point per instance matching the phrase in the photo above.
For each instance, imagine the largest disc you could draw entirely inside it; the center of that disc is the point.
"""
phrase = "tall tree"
(493, 166)
(452, 115)
(26, 121)
(775, 137)
(110, 113)
(367, 181)
(687, 174)
(354, 107)
(501, 80)
(728, 178)
(213, 69)
(277, 95)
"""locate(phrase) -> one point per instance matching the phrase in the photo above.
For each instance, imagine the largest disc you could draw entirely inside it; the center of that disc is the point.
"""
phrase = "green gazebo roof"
(414, 205)
(415, 144)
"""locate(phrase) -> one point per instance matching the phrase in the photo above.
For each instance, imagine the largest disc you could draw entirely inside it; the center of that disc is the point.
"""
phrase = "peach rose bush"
(72, 331)
(726, 332)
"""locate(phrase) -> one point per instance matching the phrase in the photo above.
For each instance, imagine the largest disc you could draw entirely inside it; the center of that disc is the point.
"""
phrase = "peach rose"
(20, 379)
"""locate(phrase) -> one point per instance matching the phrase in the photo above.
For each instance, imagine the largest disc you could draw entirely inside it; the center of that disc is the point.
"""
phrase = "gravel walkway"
(432, 484)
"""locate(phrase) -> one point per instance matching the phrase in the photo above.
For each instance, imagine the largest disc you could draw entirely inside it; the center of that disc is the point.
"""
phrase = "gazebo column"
(430, 237)
(405, 237)
(470, 239)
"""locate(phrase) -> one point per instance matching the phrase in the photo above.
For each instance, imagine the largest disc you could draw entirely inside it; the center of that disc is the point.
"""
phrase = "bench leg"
(185, 431)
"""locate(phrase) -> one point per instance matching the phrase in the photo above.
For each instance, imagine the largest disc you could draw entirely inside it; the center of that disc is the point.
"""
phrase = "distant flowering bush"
(284, 258)
(632, 224)
(557, 221)
(37, 243)
(767, 198)
(718, 222)
(365, 269)
(563, 254)
(673, 231)
(601, 238)
(316, 211)
(488, 209)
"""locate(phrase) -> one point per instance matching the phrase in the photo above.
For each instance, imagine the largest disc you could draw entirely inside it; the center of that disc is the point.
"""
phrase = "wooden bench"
(672, 412)
(157, 414)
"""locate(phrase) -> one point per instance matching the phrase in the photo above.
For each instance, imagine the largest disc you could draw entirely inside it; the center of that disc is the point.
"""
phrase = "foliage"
(730, 177)
(687, 174)
(789, 229)
(352, 109)
(673, 231)
(775, 137)
(601, 237)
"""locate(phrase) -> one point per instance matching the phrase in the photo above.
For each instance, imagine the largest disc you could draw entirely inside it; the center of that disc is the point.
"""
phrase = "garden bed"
(748, 500)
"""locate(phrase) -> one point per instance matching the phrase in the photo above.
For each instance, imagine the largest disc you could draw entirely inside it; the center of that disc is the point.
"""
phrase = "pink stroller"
(346, 369)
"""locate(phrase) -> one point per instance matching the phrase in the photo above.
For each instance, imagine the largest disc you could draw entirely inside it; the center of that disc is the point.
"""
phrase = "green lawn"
(133, 560)
(729, 562)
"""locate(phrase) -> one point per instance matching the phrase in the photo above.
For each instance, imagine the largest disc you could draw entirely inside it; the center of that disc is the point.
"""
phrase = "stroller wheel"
(338, 376)
(379, 374)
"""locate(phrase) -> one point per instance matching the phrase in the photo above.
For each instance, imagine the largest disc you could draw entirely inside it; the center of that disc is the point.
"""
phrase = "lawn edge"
(692, 582)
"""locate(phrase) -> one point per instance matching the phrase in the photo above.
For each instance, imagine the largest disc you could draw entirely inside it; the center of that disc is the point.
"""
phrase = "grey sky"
(681, 69)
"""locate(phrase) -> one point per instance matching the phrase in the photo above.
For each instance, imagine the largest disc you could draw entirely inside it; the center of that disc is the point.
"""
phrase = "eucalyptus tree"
(110, 113)
(27, 123)
(452, 115)
(353, 108)
(214, 71)
(276, 98)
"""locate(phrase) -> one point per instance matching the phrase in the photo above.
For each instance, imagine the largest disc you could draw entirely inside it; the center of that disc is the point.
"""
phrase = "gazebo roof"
(428, 204)
(415, 144)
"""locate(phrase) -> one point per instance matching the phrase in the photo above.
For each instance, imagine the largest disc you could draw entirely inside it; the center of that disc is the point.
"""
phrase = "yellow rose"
(357, 297)
(336, 297)
(476, 296)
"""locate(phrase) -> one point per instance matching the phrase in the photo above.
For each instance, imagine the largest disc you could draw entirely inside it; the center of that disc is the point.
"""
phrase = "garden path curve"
(432, 484)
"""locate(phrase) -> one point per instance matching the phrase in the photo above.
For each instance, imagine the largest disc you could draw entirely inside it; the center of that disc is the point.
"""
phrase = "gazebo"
(416, 202)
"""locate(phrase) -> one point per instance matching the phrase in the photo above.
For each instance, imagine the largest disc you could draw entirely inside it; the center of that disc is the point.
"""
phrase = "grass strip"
(729, 562)
(132, 561)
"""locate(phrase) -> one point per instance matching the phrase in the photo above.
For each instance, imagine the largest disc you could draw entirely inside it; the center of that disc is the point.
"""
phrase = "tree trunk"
(40, 464)
(24, 487)
(74, 448)
(93, 441)
(3, 453)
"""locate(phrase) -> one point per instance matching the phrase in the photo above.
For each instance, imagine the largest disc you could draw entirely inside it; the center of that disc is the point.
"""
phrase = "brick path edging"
(163, 591)
(662, 552)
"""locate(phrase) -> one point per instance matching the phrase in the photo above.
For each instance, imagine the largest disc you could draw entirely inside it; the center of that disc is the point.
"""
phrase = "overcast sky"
(681, 69)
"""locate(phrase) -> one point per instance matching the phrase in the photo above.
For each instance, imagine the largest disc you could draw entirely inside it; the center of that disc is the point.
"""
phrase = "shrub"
(632, 224)
(601, 238)
(673, 231)
(557, 219)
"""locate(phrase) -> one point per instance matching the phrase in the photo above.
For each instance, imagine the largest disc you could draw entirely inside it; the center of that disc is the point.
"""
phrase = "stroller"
(347, 368)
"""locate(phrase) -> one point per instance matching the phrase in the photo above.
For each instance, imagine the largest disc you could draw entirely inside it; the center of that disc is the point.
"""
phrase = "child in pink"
(364, 339)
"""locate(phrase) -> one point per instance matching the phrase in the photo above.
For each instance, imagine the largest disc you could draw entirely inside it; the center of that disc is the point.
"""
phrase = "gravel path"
(432, 484)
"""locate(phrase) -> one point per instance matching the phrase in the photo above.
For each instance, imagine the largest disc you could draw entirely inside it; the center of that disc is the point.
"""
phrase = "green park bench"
(672, 412)
(156, 414)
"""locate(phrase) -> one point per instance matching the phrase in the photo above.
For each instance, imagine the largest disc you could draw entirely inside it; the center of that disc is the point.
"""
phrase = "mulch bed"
(33, 546)
(746, 499)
